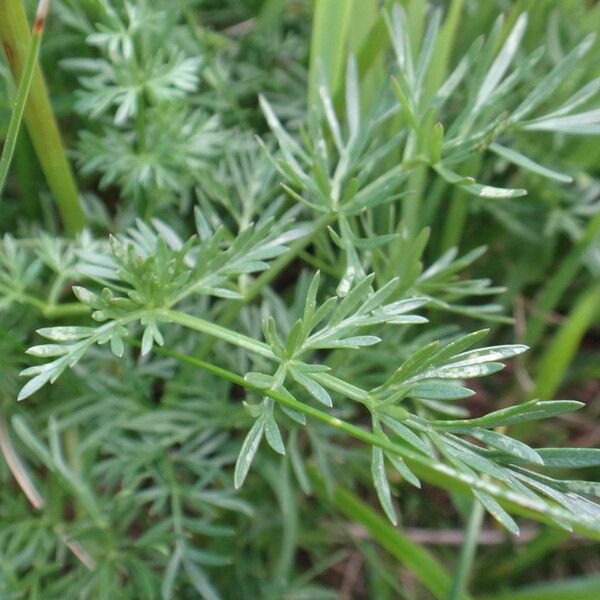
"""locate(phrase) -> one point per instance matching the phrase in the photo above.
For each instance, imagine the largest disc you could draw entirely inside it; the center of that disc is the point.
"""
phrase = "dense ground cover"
(258, 297)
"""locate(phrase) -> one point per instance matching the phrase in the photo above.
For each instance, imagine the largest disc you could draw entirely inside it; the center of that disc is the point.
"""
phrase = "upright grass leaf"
(561, 350)
(341, 29)
(39, 118)
(368, 42)
(329, 45)
(22, 92)
(467, 553)
(552, 291)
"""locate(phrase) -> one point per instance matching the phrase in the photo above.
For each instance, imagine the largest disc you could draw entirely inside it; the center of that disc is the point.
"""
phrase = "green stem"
(217, 331)
(455, 220)
(285, 400)
(247, 343)
(38, 115)
(369, 40)
(411, 204)
(51, 310)
(65, 309)
(290, 519)
(467, 553)
(456, 217)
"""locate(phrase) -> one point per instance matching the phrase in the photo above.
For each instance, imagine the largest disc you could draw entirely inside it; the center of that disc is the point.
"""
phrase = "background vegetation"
(265, 264)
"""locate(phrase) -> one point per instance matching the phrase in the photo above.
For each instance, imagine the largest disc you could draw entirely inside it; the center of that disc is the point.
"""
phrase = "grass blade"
(39, 118)
(331, 23)
(467, 553)
(559, 354)
(22, 92)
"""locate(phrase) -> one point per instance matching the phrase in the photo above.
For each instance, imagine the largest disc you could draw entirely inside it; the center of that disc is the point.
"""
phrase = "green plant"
(261, 320)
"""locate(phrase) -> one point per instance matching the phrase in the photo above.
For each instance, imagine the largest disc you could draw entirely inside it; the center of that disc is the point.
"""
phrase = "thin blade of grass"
(39, 118)
(331, 23)
(562, 349)
(23, 88)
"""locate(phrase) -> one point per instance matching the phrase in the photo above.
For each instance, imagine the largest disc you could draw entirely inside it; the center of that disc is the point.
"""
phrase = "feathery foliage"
(275, 300)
